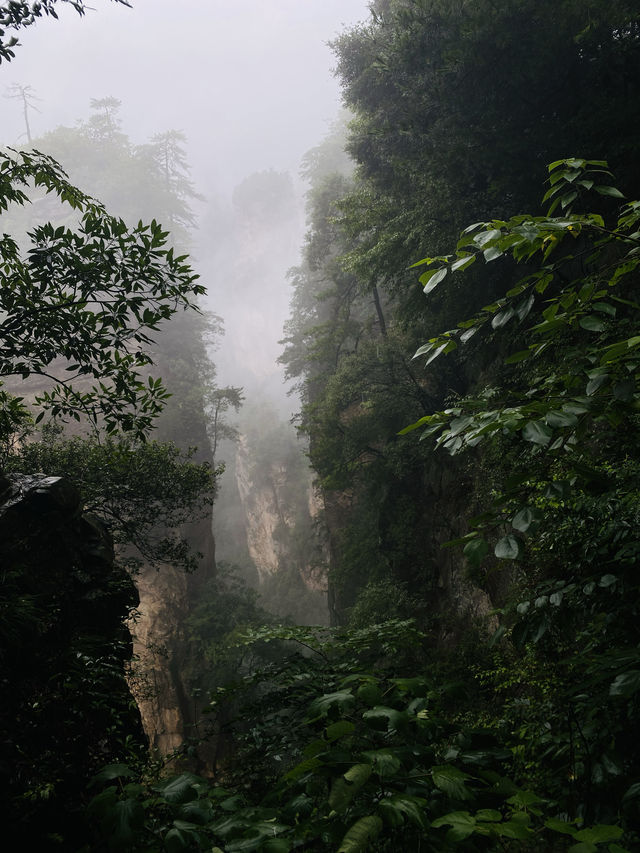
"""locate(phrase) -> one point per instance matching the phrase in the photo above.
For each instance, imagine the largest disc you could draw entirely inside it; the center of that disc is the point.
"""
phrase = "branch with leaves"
(579, 372)
(82, 302)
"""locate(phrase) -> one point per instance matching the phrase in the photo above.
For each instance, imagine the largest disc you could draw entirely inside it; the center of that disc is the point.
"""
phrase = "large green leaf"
(517, 827)
(276, 845)
(112, 771)
(385, 762)
(383, 717)
(180, 838)
(508, 548)
(127, 817)
(525, 518)
(599, 834)
(358, 837)
(476, 550)
(592, 323)
(556, 419)
(560, 826)
(462, 825)
(537, 432)
(626, 684)
(321, 706)
(347, 786)
(180, 789)
(400, 806)
(432, 279)
(451, 780)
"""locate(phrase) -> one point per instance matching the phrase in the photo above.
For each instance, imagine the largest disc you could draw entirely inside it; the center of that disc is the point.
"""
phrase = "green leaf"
(497, 635)
(560, 826)
(276, 845)
(596, 383)
(488, 815)
(492, 253)
(127, 817)
(385, 762)
(432, 279)
(516, 357)
(559, 419)
(462, 263)
(322, 705)
(502, 318)
(110, 772)
(599, 834)
(451, 780)
(626, 684)
(524, 519)
(631, 794)
(508, 548)
(179, 839)
(525, 800)
(347, 786)
(388, 718)
(400, 806)
(515, 828)
(344, 728)
(462, 825)
(537, 432)
(179, 789)
(359, 837)
(476, 550)
(605, 308)
(609, 191)
(592, 323)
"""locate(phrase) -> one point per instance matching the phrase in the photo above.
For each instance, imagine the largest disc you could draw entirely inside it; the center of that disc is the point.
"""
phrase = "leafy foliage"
(341, 756)
(83, 301)
(20, 13)
(144, 492)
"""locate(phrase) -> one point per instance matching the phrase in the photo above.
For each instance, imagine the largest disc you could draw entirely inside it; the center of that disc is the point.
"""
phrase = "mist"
(250, 86)
(249, 83)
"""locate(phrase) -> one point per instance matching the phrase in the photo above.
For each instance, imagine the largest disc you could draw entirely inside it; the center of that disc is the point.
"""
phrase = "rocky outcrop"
(159, 675)
(278, 500)
(267, 515)
(66, 709)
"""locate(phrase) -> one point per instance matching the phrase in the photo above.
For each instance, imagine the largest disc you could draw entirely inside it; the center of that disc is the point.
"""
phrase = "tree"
(19, 92)
(455, 119)
(143, 492)
(165, 154)
(80, 303)
(576, 381)
(20, 13)
(555, 440)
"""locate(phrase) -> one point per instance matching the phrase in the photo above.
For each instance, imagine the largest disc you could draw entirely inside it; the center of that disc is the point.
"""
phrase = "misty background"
(250, 85)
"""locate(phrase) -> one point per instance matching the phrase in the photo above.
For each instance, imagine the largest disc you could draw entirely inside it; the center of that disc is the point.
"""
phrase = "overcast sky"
(248, 81)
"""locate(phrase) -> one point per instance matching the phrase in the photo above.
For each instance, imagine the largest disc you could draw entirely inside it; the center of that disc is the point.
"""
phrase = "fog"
(248, 81)
(250, 84)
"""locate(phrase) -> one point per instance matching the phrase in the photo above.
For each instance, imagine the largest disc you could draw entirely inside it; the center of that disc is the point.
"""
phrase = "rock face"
(159, 678)
(282, 514)
(270, 522)
(66, 708)
(268, 516)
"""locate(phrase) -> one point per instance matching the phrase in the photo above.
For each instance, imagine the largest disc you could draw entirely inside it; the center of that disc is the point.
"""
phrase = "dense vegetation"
(468, 368)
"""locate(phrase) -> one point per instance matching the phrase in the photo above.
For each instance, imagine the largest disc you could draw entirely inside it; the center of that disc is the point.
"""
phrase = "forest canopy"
(467, 363)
